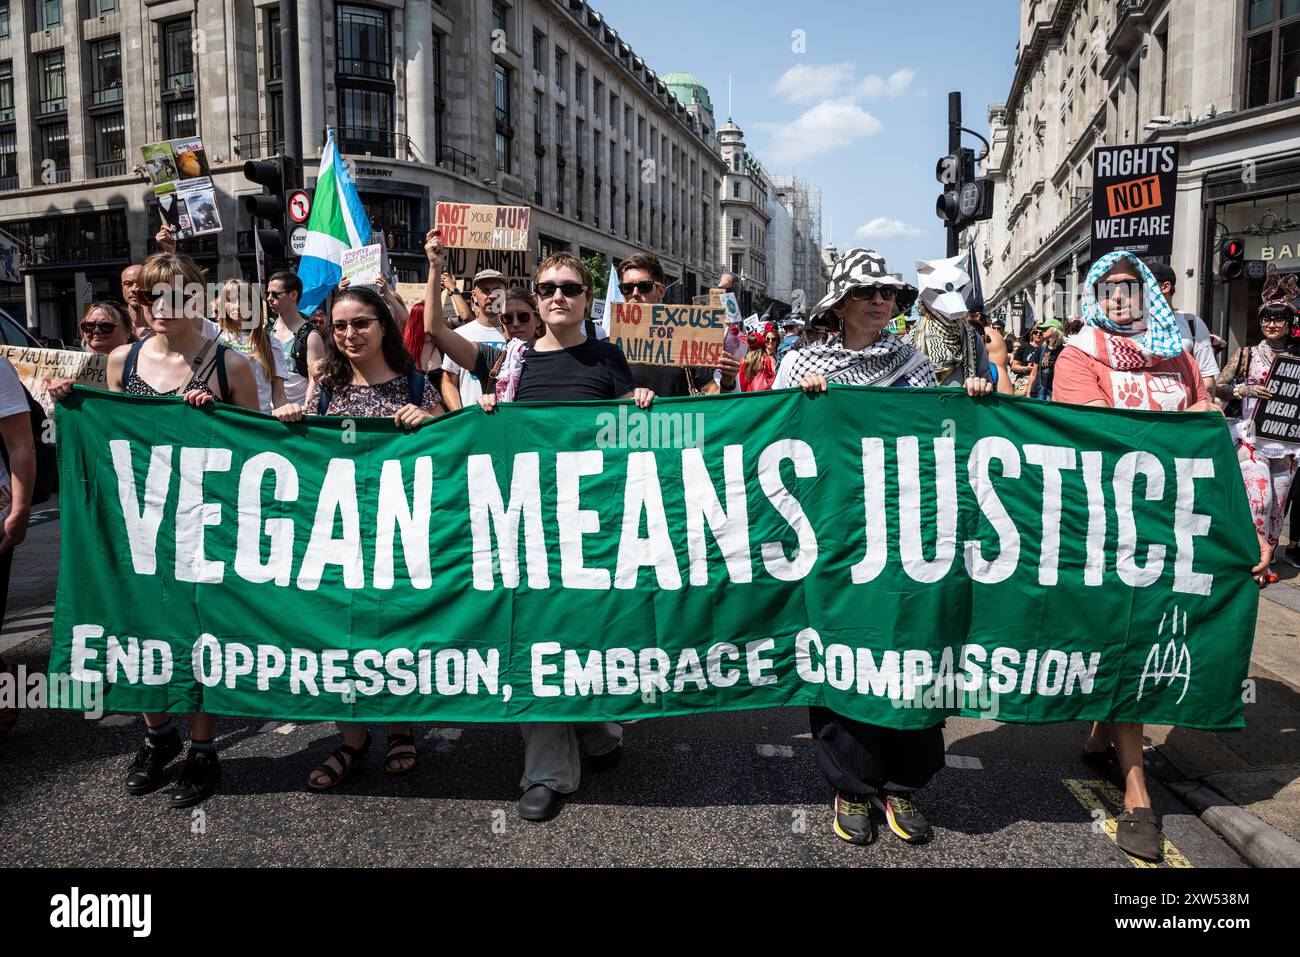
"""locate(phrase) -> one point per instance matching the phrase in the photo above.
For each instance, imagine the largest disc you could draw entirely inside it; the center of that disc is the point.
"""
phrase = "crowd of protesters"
(367, 353)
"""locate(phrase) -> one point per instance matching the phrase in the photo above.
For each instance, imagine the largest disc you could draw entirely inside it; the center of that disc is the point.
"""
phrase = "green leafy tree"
(598, 266)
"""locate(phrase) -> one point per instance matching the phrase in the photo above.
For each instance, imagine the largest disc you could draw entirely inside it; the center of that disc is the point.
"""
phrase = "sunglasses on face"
(545, 290)
(1107, 290)
(517, 318)
(644, 287)
(340, 326)
(89, 328)
(273, 296)
(867, 293)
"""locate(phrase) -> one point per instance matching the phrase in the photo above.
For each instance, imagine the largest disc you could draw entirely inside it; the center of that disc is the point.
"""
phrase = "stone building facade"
(534, 102)
(1218, 78)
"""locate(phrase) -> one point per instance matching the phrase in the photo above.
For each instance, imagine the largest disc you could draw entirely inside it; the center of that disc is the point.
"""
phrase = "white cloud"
(895, 86)
(829, 125)
(882, 228)
(805, 82)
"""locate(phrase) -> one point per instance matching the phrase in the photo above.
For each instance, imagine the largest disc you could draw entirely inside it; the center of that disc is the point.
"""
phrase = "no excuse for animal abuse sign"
(1134, 192)
(895, 555)
(667, 335)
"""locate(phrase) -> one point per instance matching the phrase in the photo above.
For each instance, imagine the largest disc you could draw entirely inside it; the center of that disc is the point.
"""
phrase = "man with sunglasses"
(641, 279)
(299, 339)
(460, 386)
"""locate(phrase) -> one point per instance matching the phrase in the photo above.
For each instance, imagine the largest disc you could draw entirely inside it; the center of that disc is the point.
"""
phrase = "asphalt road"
(734, 789)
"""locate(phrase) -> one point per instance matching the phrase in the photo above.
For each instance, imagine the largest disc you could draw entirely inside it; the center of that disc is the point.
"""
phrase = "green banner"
(898, 556)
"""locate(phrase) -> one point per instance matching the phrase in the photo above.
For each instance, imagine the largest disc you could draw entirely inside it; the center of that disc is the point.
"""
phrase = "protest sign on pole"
(481, 237)
(703, 555)
(664, 335)
(35, 366)
(1134, 193)
(182, 182)
(1278, 418)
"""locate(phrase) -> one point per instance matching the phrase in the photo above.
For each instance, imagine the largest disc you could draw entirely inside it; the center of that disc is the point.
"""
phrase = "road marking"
(287, 728)
(965, 761)
(26, 625)
(117, 720)
(774, 750)
(1085, 792)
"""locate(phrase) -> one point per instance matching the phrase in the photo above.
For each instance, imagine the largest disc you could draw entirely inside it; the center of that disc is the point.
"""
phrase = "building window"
(561, 65)
(539, 52)
(559, 159)
(364, 76)
(613, 114)
(52, 139)
(6, 91)
(735, 189)
(439, 104)
(49, 14)
(505, 131)
(110, 145)
(363, 48)
(9, 159)
(99, 8)
(579, 84)
(597, 96)
(4, 19)
(539, 178)
(736, 261)
(499, 15)
(182, 120)
(106, 66)
(54, 91)
(178, 55)
(1272, 39)
(735, 227)
(274, 82)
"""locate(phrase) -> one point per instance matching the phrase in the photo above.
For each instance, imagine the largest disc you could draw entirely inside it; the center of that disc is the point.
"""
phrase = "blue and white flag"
(338, 223)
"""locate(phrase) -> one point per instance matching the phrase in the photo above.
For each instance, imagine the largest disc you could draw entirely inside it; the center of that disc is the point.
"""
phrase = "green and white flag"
(338, 223)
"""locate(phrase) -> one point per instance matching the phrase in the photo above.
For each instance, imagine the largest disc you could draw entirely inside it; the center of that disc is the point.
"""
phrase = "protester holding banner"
(1267, 465)
(248, 336)
(17, 483)
(105, 327)
(302, 345)
(564, 364)
(459, 386)
(1129, 355)
(869, 766)
(942, 334)
(178, 360)
(641, 279)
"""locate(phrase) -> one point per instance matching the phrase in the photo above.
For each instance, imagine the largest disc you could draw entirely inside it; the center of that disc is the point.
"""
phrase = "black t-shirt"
(670, 381)
(1027, 354)
(597, 369)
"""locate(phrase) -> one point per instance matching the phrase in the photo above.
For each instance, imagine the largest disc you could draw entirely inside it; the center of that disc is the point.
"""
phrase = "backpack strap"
(223, 383)
(323, 396)
(132, 359)
(300, 336)
(415, 388)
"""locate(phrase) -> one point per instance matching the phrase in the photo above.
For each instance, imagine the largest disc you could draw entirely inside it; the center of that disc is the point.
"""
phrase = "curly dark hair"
(336, 371)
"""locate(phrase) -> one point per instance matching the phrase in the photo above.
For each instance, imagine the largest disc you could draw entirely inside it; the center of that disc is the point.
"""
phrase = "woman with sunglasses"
(1130, 355)
(1267, 465)
(105, 327)
(564, 364)
(241, 331)
(367, 371)
(874, 770)
(178, 359)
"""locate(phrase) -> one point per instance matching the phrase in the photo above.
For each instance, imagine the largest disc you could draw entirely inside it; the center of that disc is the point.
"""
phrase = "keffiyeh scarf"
(947, 343)
(1110, 343)
(882, 363)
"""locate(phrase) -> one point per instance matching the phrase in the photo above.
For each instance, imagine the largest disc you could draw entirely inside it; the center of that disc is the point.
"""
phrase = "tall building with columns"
(746, 191)
(1218, 79)
(532, 102)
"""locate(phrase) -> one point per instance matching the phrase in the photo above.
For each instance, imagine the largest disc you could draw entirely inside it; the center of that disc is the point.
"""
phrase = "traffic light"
(1232, 257)
(275, 176)
(966, 198)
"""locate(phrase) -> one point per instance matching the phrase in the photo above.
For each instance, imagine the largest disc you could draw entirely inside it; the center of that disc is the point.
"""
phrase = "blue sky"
(862, 112)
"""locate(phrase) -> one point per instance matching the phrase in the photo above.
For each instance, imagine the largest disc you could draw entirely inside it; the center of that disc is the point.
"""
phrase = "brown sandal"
(354, 763)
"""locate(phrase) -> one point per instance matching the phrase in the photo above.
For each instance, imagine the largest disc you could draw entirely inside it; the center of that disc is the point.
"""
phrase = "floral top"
(381, 400)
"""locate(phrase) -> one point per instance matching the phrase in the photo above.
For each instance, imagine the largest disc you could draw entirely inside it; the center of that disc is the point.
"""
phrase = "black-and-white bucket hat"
(853, 268)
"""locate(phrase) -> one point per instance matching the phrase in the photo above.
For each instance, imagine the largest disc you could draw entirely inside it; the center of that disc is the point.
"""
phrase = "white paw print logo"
(1172, 662)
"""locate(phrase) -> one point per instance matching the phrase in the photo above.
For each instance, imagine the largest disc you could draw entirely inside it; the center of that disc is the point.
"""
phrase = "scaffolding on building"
(804, 203)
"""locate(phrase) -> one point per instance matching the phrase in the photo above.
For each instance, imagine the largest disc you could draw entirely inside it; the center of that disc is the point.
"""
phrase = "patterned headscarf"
(1161, 338)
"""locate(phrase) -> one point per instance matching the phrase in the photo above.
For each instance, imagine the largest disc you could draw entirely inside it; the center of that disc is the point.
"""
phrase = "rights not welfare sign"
(1134, 189)
(1278, 418)
(664, 335)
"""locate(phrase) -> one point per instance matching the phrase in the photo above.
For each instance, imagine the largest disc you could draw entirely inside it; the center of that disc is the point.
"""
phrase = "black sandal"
(400, 741)
(356, 760)
(1105, 764)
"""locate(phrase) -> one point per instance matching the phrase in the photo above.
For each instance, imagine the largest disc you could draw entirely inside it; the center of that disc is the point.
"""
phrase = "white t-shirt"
(475, 331)
(12, 402)
(245, 348)
(1196, 339)
(295, 386)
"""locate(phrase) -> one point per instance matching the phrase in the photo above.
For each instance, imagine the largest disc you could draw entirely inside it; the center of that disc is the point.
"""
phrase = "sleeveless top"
(200, 377)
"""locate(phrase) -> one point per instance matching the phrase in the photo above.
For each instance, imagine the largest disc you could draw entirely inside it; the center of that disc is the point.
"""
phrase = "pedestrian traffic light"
(274, 175)
(1232, 257)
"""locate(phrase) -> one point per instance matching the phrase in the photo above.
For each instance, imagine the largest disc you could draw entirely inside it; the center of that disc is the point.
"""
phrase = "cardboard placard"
(182, 182)
(36, 365)
(361, 267)
(479, 237)
(1134, 192)
(1278, 418)
(665, 335)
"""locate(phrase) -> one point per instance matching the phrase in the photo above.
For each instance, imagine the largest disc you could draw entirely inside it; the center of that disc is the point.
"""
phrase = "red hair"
(413, 335)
